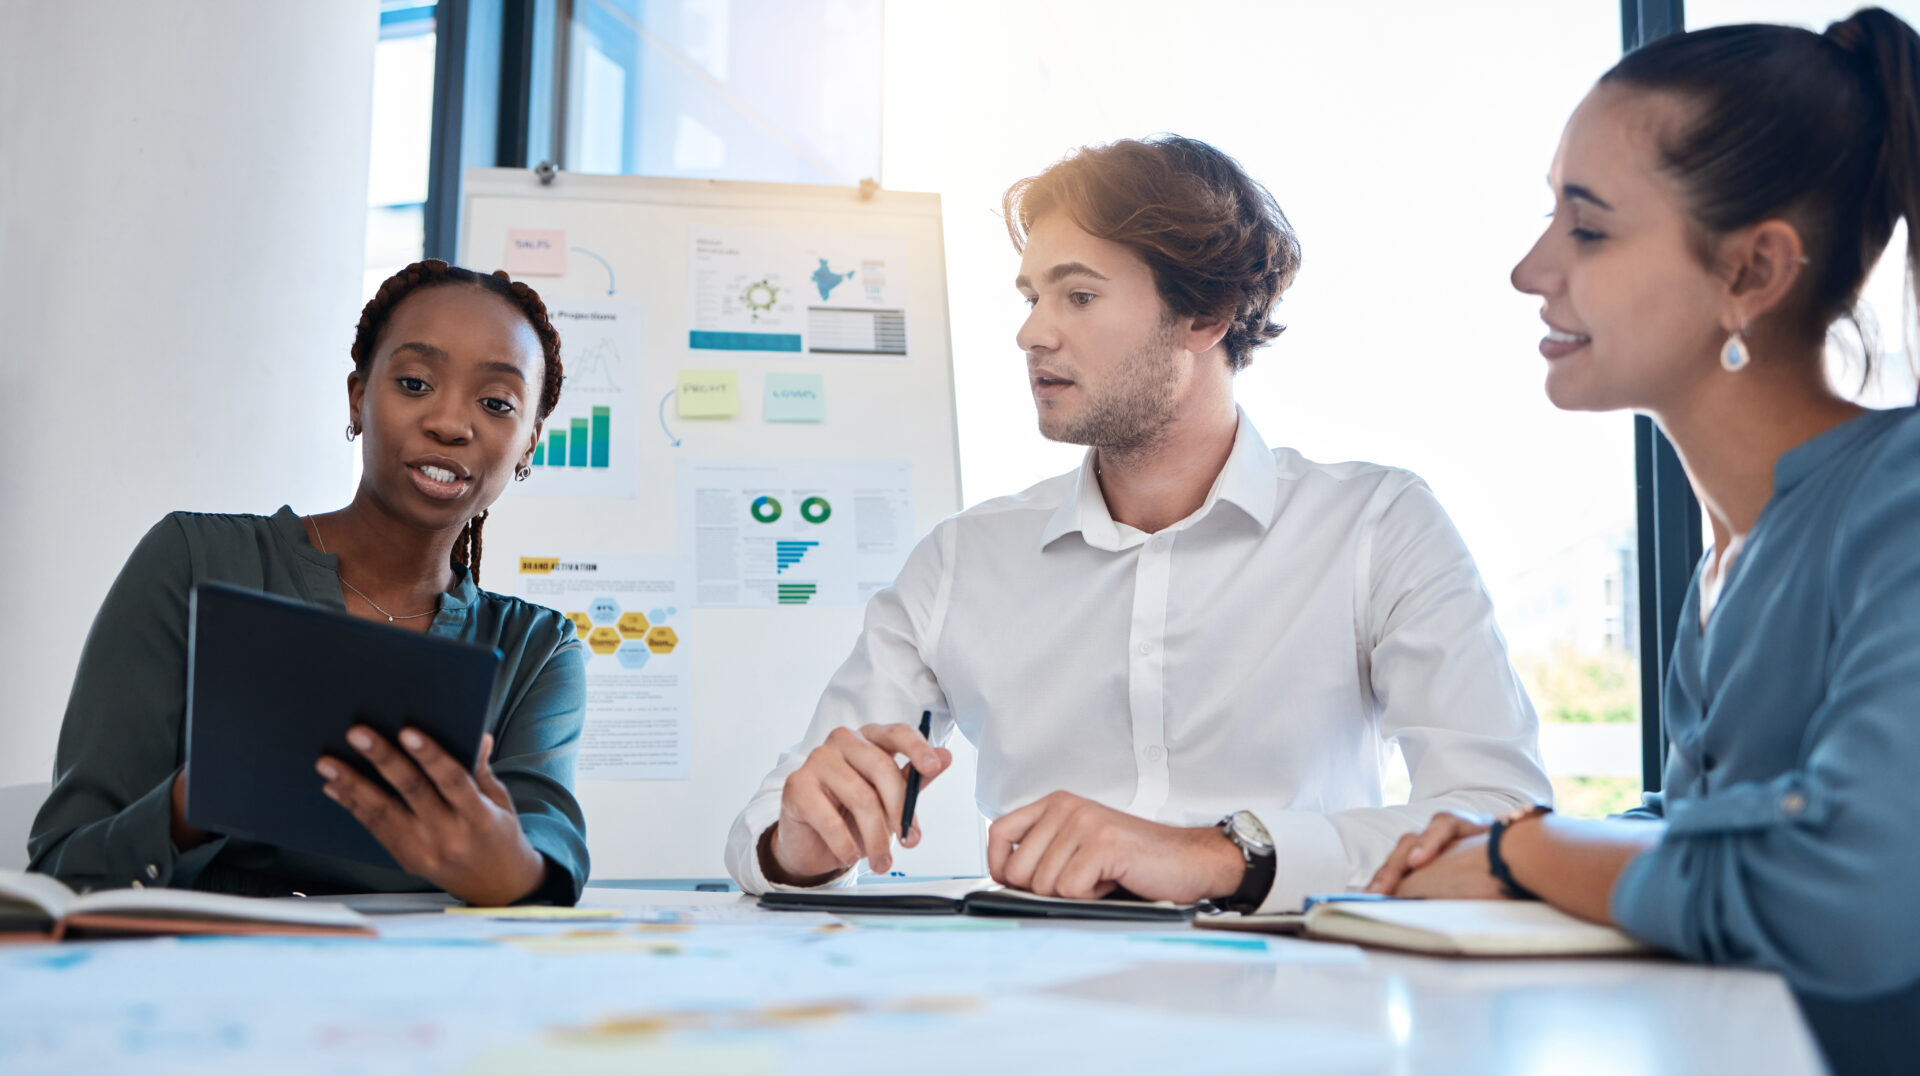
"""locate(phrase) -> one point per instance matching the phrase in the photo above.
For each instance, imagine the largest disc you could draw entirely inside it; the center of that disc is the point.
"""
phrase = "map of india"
(826, 279)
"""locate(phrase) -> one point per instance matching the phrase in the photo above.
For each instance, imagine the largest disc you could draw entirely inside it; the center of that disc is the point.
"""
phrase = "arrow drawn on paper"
(663, 417)
(603, 263)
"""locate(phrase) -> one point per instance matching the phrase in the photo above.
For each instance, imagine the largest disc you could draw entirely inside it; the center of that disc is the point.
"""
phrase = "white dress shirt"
(1258, 655)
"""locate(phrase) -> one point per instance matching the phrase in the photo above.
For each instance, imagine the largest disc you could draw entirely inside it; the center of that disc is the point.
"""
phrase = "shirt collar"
(322, 569)
(1803, 459)
(1247, 482)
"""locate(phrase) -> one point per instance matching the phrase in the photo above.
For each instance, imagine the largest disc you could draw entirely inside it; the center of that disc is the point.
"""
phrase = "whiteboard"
(755, 673)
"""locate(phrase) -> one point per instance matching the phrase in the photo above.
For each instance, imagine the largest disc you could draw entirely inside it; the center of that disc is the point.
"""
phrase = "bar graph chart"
(789, 552)
(578, 442)
(796, 593)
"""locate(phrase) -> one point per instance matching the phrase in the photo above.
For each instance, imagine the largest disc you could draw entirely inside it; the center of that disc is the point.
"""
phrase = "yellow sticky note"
(708, 394)
(538, 911)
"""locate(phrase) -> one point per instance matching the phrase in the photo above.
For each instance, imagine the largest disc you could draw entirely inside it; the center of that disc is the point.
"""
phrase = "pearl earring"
(1734, 355)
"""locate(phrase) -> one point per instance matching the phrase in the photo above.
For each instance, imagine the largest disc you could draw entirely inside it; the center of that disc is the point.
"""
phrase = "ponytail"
(1887, 52)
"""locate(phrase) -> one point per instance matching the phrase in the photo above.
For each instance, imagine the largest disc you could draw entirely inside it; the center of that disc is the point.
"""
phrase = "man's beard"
(1132, 411)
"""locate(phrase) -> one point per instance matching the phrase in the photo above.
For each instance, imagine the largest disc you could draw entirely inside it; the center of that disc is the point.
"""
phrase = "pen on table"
(913, 777)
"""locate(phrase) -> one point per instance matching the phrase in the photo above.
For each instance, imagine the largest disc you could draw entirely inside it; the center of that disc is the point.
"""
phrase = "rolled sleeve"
(1812, 872)
(538, 742)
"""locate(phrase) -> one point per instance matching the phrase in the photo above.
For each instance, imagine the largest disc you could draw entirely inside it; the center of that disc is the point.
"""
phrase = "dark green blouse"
(106, 822)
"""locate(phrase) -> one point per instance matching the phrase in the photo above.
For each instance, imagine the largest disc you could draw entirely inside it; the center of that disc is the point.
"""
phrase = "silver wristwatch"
(1250, 836)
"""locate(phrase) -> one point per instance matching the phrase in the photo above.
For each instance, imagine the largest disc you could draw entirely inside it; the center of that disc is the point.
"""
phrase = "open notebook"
(964, 896)
(36, 907)
(1451, 927)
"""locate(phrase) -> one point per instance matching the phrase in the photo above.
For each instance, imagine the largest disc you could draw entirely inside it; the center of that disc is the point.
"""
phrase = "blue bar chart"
(788, 552)
(578, 442)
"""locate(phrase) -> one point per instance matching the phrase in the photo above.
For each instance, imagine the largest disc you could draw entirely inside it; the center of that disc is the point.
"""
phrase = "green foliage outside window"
(1583, 689)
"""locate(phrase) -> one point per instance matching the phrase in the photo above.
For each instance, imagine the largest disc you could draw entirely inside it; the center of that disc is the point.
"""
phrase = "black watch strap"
(1254, 885)
(1497, 866)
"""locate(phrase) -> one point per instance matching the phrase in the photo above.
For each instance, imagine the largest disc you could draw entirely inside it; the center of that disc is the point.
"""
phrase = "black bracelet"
(1498, 867)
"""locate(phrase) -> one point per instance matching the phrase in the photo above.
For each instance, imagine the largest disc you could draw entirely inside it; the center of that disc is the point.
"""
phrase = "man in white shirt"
(1181, 664)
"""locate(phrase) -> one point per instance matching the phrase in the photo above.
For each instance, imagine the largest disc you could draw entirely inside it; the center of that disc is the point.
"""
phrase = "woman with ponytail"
(453, 374)
(1719, 199)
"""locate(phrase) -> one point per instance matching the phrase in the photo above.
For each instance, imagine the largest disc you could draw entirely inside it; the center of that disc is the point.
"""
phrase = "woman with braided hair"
(454, 373)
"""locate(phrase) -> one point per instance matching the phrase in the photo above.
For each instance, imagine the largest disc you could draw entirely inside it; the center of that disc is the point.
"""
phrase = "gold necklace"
(315, 524)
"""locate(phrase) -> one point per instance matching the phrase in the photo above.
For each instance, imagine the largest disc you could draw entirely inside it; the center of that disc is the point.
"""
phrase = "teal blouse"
(106, 822)
(1792, 785)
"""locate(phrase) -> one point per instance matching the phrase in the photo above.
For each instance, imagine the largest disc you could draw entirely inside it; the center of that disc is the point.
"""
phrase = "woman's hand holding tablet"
(456, 829)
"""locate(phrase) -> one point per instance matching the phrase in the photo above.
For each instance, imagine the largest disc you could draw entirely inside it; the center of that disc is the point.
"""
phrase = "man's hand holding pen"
(845, 803)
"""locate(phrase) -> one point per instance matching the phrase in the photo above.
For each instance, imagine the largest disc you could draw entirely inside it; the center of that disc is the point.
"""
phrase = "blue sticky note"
(796, 398)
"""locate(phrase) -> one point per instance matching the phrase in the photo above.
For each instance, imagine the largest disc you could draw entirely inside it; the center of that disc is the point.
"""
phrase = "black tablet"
(273, 684)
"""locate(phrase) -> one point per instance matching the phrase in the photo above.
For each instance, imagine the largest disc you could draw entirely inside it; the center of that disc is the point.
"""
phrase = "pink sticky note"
(536, 252)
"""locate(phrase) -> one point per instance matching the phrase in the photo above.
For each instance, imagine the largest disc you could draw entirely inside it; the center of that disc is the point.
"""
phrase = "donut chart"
(815, 510)
(765, 510)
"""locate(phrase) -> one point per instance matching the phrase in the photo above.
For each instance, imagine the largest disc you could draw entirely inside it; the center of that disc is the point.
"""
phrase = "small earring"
(522, 473)
(352, 431)
(1734, 356)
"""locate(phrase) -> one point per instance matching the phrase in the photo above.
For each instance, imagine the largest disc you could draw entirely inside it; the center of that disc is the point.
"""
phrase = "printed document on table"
(794, 532)
(590, 445)
(628, 612)
(785, 291)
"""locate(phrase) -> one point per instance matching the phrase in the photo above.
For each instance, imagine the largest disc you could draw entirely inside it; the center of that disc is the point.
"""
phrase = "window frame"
(497, 95)
(1668, 514)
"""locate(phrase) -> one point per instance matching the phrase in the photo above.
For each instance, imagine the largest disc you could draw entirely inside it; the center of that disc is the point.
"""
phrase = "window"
(1408, 142)
(402, 128)
(726, 89)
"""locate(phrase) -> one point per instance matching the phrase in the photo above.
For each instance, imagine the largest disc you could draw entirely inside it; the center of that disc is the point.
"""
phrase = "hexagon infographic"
(582, 623)
(634, 625)
(633, 655)
(662, 639)
(604, 610)
(604, 640)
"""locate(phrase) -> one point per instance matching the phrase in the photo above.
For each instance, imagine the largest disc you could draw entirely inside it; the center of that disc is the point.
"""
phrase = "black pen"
(913, 778)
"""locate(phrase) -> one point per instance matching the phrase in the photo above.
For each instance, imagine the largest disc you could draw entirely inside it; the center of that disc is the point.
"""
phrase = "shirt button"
(1146, 648)
(1793, 803)
(1156, 753)
(1160, 544)
(153, 871)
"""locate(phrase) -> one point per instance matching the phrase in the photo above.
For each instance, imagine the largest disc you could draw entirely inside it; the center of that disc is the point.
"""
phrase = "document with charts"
(628, 613)
(590, 445)
(794, 532)
(792, 292)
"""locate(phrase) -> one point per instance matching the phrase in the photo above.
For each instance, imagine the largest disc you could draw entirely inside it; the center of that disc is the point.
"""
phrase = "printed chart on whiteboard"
(627, 610)
(790, 291)
(794, 532)
(590, 445)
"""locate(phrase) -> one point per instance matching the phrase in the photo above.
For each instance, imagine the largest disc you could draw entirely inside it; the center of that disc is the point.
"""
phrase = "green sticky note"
(708, 394)
(796, 398)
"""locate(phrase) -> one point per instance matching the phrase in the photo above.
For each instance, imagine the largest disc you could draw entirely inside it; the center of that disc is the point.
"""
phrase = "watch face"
(1250, 833)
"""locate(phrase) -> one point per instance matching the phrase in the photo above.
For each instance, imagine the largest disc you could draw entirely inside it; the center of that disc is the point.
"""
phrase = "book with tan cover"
(1467, 928)
(37, 907)
(1443, 927)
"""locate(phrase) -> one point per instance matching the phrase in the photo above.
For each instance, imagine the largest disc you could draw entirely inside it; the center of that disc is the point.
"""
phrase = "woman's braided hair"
(431, 273)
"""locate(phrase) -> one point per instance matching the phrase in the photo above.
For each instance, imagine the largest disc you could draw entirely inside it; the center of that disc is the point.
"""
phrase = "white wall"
(182, 215)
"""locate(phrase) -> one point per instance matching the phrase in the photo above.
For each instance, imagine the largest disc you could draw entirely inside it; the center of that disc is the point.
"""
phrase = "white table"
(793, 994)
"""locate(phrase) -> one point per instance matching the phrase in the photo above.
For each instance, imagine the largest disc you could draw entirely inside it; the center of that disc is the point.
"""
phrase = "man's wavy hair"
(1217, 242)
